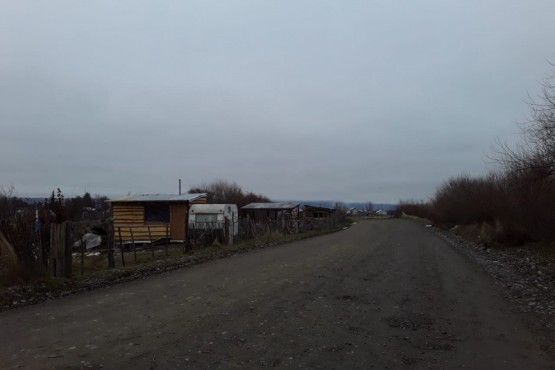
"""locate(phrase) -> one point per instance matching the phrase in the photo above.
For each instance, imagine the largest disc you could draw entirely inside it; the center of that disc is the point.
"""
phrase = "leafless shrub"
(419, 209)
(465, 200)
(9, 202)
(20, 239)
(515, 205)
(221, 191)
(512, 208)
(9, 266)
(526, 213)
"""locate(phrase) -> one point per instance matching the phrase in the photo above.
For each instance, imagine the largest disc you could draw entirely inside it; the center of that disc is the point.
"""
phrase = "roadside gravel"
(527, 279)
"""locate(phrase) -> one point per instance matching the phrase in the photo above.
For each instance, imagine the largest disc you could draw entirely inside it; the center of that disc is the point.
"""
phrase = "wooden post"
(60, 250)
(151, 243)
(226, 231)
(133, 244)
(68, 249)
(186, 230)
(83, 247)
(184, 246)
(188, 246)
(121, 247)
(110, 237)
(167, 239)
(53, 255)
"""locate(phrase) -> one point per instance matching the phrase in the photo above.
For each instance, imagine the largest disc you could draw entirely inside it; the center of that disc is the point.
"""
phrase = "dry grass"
(489, 235)
(421, 220)
(98, 264)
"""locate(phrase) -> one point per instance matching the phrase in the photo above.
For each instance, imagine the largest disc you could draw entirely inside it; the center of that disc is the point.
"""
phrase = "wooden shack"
(145, 218)
(271, 211)
(317, 213)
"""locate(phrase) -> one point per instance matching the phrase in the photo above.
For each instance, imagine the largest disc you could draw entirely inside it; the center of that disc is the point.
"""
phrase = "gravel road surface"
(383, 294)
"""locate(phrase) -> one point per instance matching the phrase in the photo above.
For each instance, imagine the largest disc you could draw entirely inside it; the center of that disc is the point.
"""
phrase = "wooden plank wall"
(140, 232)
(125, 214)
(178, 220)
(128, 216)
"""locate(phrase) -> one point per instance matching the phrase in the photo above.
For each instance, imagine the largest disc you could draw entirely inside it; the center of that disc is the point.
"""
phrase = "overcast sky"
(299, 100)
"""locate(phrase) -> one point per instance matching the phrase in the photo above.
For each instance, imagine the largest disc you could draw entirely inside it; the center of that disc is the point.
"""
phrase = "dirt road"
(383, 294)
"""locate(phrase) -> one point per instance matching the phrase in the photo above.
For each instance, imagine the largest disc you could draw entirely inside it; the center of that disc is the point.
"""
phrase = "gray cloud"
(352, 101)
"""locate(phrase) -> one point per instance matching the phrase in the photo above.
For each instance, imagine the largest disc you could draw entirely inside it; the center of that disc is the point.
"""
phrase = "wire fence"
(78, 248)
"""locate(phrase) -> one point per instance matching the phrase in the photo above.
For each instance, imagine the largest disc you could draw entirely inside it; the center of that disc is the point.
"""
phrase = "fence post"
(83, 247)
(54, 246)
(133, 244)
(44, 242)
(186, 231)
(167, 239)
(68, 249)
(121, 247)
(111, 238)
(151, 244)
(184, 247)
(60, 254)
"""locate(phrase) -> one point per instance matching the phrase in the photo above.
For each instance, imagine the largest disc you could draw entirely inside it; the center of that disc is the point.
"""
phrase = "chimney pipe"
(179, 186)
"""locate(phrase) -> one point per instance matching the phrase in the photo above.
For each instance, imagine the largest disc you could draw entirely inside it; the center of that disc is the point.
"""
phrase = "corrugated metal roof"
(270, 206)
(313, 208)
(159, 198)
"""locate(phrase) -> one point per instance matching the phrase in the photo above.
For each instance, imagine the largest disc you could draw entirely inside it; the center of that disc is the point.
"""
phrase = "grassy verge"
(97, 265)
(96, 274)
(417, 219)
(487, 235)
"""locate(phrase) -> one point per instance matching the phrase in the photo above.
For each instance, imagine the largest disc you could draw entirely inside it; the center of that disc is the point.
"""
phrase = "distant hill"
(33, 200)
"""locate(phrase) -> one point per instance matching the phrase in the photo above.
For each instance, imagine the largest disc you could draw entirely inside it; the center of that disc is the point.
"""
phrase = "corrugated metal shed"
(271, 206)
(166, 198)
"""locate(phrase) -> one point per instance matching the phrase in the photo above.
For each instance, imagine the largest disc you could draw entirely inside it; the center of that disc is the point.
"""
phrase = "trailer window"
(206, 217)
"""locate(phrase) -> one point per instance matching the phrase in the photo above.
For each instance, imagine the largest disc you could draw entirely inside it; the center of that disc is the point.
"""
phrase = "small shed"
(271, 211)
(317, 213)
(214, 216)
(154, 216)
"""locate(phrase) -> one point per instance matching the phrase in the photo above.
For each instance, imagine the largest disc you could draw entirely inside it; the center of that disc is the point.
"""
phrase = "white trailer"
(214, 216)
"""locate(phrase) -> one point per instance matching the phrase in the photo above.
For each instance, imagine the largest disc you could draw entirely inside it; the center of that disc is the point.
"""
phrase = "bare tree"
(221, 191)
(536, 154)
(9, 202)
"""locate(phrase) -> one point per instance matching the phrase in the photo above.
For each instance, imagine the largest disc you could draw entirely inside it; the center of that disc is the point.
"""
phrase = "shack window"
(157, 213)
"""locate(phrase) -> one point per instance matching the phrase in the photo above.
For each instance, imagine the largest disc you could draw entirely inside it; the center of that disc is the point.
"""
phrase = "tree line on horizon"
(57, 208)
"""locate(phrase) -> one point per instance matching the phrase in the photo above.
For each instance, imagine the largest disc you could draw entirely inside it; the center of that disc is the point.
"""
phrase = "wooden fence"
(64, 256)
